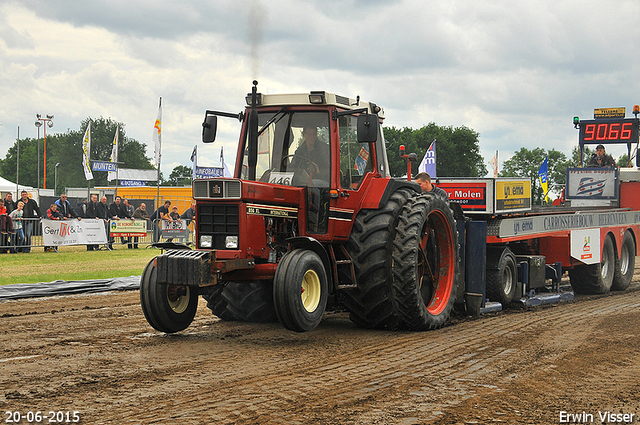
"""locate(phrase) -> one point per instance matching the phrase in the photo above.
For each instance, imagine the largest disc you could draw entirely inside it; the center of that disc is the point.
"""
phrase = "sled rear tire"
(595, 279)
(625, 265)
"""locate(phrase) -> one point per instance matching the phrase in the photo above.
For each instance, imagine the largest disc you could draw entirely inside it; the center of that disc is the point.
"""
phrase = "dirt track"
(96, 354)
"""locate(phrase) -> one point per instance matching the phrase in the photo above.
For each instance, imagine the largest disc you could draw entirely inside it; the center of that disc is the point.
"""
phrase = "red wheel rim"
(436, 291)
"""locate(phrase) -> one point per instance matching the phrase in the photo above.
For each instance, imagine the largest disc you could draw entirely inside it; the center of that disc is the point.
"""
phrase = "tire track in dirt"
(107, 362)
(401, 363)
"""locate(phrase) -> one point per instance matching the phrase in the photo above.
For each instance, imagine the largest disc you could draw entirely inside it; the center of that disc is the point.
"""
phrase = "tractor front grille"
(219, 221)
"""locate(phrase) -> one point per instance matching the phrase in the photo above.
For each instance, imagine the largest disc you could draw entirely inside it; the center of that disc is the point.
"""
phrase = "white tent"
(8, 186)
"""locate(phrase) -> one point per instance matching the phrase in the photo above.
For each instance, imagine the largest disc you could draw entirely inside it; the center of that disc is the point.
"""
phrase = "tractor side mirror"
(209, 128)
(368, 128)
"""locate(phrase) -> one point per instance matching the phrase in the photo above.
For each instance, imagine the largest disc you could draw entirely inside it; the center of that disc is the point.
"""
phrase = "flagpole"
(18, 166)
(159, 151)
(115, 158)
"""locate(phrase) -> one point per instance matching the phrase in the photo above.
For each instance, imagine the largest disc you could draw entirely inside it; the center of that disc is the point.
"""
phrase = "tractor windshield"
(293, 149)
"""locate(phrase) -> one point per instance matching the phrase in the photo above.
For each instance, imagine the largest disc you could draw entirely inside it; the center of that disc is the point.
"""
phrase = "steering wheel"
(306, 163)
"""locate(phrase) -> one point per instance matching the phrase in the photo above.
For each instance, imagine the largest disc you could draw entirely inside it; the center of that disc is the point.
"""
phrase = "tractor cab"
(319, 141)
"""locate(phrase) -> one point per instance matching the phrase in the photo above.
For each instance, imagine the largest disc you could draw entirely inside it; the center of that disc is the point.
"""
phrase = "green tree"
(28, 162)
(525, 163)
(181, 176)
(66, 149)
(457, 150)
(623, 161)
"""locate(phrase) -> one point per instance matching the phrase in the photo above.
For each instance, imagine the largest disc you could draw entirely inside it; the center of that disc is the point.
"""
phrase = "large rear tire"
(595, 278)
(167, 308)
(425, 263)
(625, 265)
(372, 304)
(246, 302)
(300, 290)
(216, 303)
(250, 302)
(502, 277)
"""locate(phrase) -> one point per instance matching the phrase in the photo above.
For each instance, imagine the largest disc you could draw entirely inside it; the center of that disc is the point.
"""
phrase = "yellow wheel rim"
(178, 303)
(310, 291)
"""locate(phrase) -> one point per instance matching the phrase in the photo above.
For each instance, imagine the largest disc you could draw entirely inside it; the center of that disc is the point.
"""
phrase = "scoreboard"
(609, 130)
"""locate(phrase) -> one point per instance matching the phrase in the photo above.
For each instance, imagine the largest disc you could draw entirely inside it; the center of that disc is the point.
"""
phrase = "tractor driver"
(312, 155)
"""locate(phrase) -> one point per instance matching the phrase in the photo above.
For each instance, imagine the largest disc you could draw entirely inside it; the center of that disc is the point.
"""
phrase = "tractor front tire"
(300, 290)
(167, 308)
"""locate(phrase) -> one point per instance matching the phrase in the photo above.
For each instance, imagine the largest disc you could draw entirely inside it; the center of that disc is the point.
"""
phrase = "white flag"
(194, 160)
(157, 137)
(86, 152)
(114, 156)
(494, 165)
(428, 163)
(225, 168)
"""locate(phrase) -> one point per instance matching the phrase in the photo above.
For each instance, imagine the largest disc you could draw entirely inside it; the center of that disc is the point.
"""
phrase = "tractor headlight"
(206, 241)
(231, 242)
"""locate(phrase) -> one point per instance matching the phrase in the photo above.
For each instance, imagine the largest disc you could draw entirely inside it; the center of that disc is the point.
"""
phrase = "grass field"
(73, 263)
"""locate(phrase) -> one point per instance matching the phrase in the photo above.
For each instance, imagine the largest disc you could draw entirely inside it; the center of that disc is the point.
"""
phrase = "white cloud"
(514, 72)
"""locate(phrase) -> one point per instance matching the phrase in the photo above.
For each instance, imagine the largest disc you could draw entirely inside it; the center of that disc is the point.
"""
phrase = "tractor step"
(343, 271)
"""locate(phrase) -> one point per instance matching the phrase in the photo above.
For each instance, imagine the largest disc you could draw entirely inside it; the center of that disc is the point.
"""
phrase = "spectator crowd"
(18, 219)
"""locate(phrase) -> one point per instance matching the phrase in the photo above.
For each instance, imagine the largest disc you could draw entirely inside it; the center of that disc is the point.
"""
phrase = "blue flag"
(542, 175)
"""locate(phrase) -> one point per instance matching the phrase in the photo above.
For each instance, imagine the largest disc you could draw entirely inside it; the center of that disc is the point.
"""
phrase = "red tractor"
(311, 219)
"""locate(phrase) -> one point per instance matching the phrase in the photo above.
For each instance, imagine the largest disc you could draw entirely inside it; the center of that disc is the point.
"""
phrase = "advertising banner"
(127, 228)
(88, 231)
(592, 183)
(132, 183)
(209, 172)
(104, 166)
(472, 196)
(585, 245)
(174, 229)
(513, 195)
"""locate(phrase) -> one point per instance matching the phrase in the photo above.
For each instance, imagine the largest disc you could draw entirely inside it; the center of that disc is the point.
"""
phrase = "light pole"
(55, 184)
(49, 123)
(38, 124)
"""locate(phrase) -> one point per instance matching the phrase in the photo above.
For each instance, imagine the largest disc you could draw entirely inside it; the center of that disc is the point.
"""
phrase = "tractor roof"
(315, 98)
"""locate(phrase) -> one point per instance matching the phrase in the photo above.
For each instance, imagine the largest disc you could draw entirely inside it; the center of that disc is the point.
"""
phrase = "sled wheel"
(595, 278)
(300, 290)
(625, 265)
(501, 275)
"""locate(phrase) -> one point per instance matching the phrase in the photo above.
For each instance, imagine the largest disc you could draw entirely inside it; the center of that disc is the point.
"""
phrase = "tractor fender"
(393, 186)
(307, 242)
(379, 191)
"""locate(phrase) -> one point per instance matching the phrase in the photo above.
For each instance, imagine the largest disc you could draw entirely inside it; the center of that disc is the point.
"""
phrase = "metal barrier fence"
(32, 230)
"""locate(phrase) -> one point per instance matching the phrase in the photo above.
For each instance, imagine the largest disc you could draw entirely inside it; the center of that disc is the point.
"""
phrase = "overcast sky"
(514, 71)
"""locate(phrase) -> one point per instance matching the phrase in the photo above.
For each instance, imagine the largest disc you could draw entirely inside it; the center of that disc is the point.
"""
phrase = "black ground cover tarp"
(48, 289)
